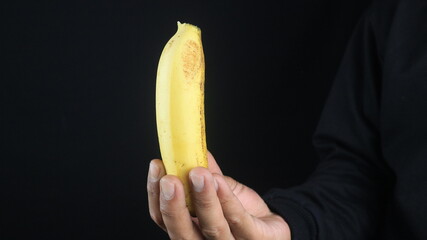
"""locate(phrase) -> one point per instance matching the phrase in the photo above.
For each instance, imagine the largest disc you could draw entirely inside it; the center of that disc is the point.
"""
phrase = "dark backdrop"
(77, 107)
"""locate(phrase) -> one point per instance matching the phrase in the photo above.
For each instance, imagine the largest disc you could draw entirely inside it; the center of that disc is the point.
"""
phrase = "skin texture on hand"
(225, 208)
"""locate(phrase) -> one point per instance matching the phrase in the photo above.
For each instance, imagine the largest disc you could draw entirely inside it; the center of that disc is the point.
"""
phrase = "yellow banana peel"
(180, 113)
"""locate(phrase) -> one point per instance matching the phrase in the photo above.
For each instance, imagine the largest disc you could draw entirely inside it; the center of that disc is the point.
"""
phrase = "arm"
(345, 196)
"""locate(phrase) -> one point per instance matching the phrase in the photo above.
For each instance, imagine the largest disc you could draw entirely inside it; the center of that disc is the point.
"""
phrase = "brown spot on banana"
(192, 59)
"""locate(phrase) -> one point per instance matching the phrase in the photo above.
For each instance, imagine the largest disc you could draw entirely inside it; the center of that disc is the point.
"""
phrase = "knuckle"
(235, 186)
(170, 212)
(232, 183)
(204, 203)
(211, 232)
(152, 189)
(234, 220)
(238, 189)
(166, 211)
(225, 201)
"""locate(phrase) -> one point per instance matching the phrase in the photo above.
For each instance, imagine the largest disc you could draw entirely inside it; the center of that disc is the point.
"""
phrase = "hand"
(225, 208)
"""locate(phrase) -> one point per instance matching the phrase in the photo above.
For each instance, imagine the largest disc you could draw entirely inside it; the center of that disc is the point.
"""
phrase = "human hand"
(225, 208)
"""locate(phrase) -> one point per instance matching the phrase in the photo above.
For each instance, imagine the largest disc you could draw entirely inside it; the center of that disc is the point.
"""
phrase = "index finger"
(213, 165)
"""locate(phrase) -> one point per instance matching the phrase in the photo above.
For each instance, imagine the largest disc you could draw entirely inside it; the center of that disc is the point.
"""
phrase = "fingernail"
(153, 172)
(167, 189)
(198, 181)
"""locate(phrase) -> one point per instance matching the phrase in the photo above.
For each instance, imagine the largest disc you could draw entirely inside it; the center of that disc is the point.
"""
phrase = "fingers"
(211, 220)
(240, 221)
(166, 203)
(174, 212)
(220, 215)
(213, 165)
(155, 172)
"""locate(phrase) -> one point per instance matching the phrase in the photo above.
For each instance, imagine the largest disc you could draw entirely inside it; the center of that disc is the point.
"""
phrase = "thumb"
(213, 165)
(239, 220)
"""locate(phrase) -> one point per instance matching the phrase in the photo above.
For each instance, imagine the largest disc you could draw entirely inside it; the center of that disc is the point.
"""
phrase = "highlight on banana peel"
(180, 114)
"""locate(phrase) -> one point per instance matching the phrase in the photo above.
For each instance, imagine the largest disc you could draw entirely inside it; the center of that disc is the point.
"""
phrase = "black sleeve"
(343, 198)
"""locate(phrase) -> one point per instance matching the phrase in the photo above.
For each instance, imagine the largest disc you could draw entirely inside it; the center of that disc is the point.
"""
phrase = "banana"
(180, 116)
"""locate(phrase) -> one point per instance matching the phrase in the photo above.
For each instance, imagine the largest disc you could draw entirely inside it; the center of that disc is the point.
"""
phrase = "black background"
(77, 110)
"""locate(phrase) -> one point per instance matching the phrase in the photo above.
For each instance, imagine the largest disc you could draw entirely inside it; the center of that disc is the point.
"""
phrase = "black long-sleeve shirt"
(371, 180)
